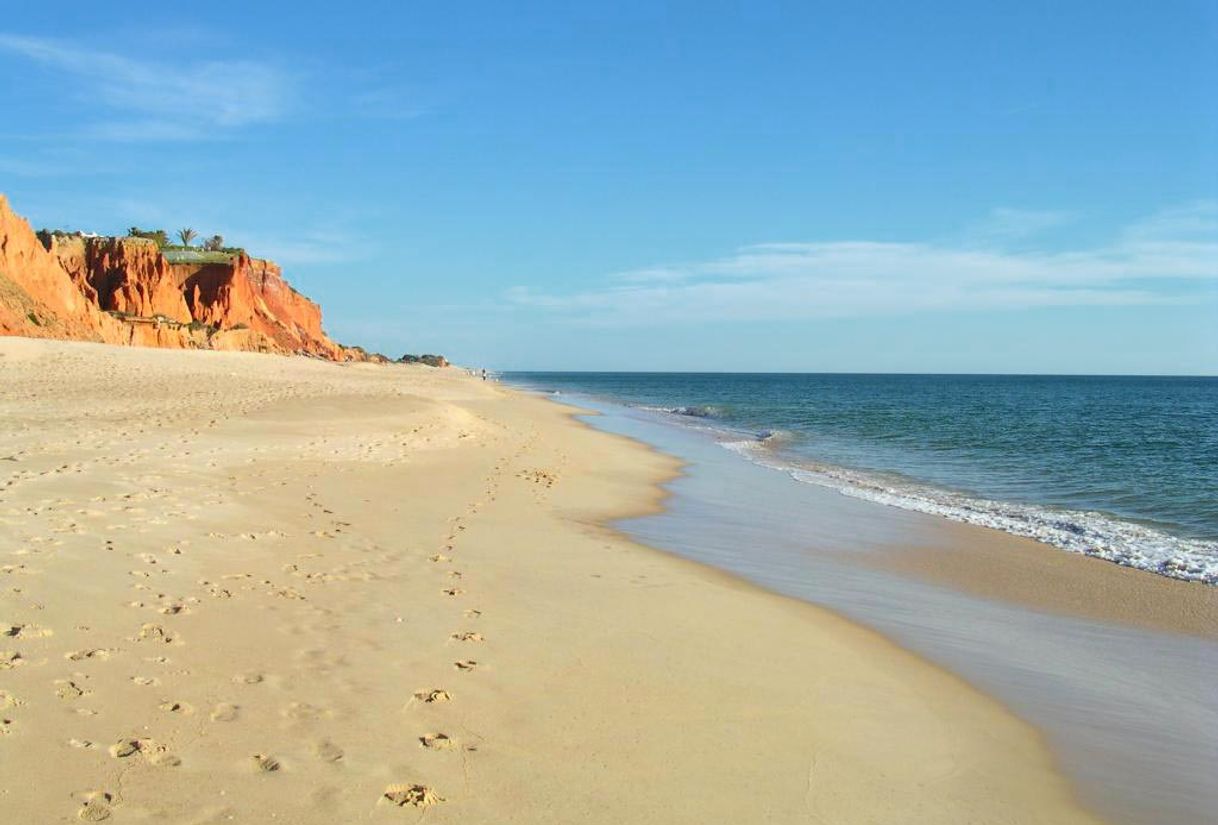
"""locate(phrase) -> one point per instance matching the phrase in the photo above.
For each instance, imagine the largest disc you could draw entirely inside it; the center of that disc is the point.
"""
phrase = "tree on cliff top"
(157, 235)
(214, 244)
(187, 235)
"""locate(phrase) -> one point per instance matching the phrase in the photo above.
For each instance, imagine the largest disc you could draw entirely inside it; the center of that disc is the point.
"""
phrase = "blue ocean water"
(1124, 468)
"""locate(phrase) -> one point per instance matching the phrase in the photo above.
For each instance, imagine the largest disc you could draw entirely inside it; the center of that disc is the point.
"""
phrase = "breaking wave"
(1087, 533)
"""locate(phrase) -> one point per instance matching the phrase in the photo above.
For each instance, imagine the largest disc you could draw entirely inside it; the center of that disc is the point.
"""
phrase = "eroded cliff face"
(250, 292)
(37, 298)
(124, 291)
(126, 275)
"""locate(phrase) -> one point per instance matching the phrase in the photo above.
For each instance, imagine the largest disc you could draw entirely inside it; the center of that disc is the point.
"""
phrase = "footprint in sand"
(124, 748)
(145, 681)
(25, 631)
(8, 700)
(96, 807)
(225, 712)
(436, 741)
(416, 796)
(453, 591)
(438, 557)
(303, 710)
(68, 689)
(467, 636)
(471, 613)
(99, 653)
(10, 659)
(155, 753)
(327, 751)
(465, 665)
(156, 633)
(265, 764)
(163, 759)
(248, 678)
(432, 696)
(177, 707)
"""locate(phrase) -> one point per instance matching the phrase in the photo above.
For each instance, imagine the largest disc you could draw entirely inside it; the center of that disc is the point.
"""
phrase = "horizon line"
(855, 372)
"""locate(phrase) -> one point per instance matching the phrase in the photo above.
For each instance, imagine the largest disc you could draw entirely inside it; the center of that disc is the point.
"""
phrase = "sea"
(1123, 468)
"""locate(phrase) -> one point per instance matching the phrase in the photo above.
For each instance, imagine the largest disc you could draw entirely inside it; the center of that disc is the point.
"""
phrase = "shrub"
(158, 235)
(427, 359)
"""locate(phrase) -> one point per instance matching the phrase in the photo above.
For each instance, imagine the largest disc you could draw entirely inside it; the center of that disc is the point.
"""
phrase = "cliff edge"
(125, 291)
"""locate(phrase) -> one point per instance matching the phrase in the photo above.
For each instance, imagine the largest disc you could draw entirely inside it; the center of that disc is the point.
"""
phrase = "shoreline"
(1126, 705)
(268, 575)
(774, 439)
(1020, 571)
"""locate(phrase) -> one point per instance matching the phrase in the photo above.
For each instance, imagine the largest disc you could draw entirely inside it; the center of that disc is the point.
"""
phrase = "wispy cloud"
(1004, 224)
(146, 100)
(303, 248)
(1163, 259)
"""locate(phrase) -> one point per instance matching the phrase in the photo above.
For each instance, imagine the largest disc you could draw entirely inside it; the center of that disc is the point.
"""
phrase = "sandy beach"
(242, 588)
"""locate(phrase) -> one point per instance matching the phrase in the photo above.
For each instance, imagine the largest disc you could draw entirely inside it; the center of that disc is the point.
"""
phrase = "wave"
(692, 411)
(1084, 532)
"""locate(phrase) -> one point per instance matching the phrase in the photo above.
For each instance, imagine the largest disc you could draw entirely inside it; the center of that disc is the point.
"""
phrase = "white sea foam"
(693, 411)
(1088, 533)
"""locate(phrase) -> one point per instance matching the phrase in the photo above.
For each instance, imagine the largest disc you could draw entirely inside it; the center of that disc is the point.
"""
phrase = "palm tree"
(187, 235)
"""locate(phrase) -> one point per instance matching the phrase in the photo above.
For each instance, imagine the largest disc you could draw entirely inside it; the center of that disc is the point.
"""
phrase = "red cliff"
(252, 293)
(124, 275)
(124, 291)
(37, 298)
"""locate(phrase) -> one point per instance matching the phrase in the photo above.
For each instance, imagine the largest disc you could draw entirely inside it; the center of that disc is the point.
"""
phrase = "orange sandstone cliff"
(124, 291)
(253, 293)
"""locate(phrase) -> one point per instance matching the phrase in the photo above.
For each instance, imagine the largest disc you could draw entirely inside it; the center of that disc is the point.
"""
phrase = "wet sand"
(997, 565)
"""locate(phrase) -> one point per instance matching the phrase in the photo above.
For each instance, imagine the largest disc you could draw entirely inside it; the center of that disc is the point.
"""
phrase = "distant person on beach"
(483, 375)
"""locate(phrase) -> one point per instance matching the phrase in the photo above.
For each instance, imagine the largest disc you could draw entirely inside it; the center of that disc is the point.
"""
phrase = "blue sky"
(979, 187)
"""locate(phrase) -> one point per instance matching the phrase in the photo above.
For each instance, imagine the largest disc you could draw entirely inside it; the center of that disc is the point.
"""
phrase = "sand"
(1021, 571)
(244, 588)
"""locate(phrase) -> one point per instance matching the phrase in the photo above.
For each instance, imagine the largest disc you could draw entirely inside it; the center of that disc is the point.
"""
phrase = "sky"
(854, 186)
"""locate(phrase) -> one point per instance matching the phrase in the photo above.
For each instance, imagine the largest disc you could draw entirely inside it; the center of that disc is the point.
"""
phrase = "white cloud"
(1160, 260)
(144, 100)
(1194, 221)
